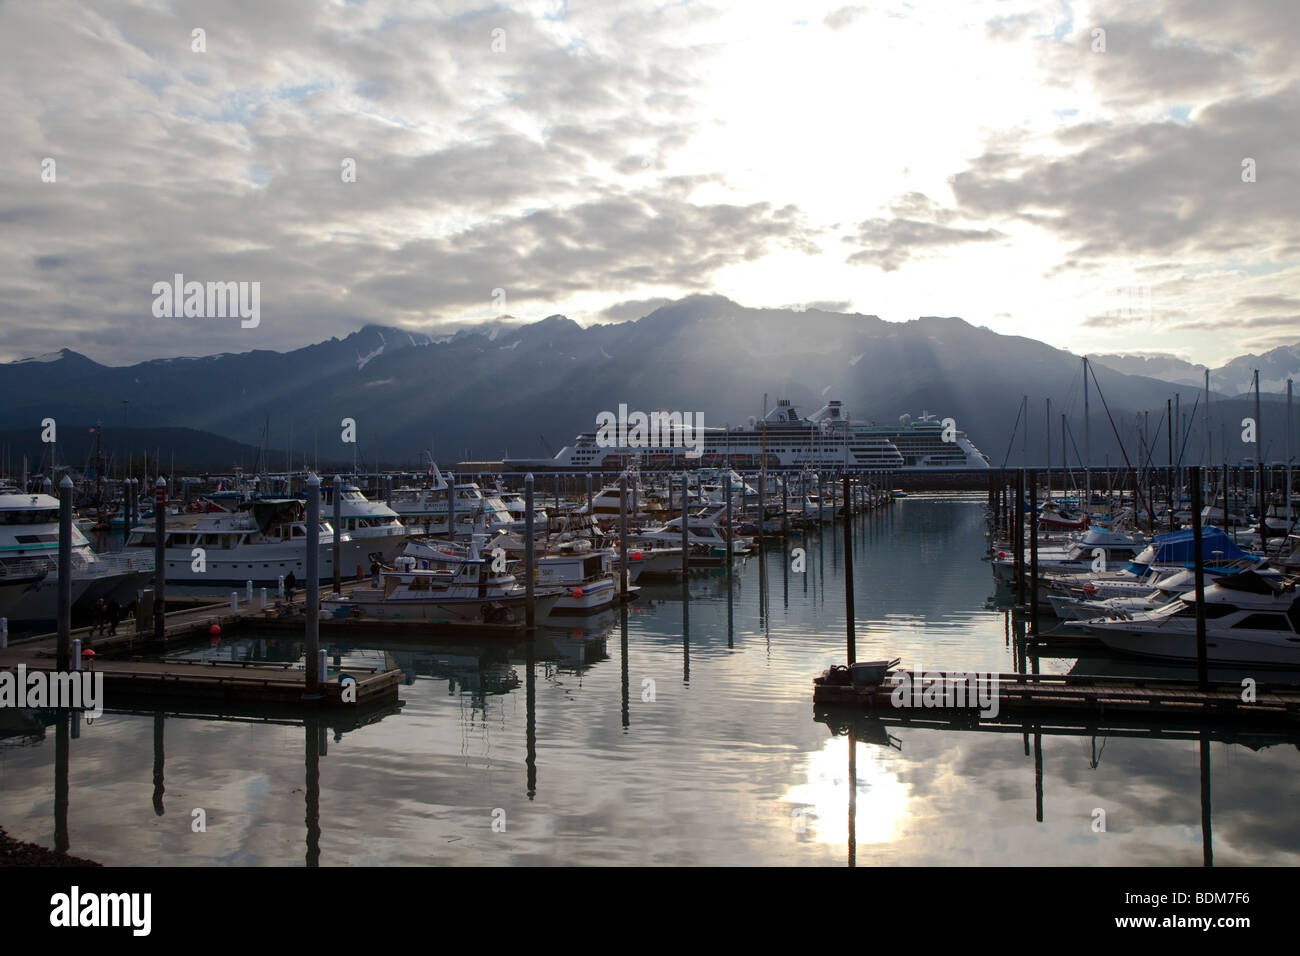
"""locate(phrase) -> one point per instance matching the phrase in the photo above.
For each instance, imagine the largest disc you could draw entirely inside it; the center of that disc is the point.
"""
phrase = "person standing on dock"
(114, 616)
(290, 582)
(98, 614)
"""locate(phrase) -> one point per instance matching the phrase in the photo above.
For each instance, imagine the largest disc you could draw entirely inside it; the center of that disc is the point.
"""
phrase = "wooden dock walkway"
(1022, 695)
(128, 676)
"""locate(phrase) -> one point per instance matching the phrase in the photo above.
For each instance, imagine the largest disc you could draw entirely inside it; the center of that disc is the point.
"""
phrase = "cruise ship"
(921, 443)
(827, 439)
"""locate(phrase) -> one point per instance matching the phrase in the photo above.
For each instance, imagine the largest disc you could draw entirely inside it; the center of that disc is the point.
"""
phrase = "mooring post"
(530, 555)
(785, 504)
(338, 538)
(160, 560)
(311, 606)
(622, 535)
(64, 593)
(1033, 552)
(1020, 536)
(730, 530)
(1198, 566)
(850, 633)
(451, 506)
(127, 519)
(686, 550)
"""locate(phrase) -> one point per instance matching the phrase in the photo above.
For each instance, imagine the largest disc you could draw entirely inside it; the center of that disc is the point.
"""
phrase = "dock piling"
(312, 600)
(622, 535)
(160, 560)
(451, 506)
(65, 572)
(1033, 552)
(1198, 570)
(850, 633)
(730, 530)
(338, 539)
(686, 551)
(530, 556)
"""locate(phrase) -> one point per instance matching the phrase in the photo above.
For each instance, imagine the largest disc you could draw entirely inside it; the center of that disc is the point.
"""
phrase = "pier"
(1020, 696)
(128, 676)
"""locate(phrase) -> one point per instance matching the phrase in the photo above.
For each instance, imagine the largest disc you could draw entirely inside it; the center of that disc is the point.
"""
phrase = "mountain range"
(523, 389)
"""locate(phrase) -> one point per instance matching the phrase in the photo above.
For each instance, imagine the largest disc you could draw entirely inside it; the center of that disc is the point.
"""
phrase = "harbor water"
(677, 732)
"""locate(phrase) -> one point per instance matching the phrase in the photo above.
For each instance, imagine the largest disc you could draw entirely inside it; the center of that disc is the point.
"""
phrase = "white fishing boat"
(426, 509)
(29, 552)
(1249, 620)
(1082, 553)
(588, 578)
(264, 540)
(374, 525)
(705, 537)
(443, 584)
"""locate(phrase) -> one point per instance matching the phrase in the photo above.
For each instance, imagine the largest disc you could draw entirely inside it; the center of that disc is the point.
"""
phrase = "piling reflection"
(313, 732)
(159, 762)
(61, 756)
(903, 789)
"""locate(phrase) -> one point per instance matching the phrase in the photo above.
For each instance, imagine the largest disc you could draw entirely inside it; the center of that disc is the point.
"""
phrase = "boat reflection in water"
(677, 729)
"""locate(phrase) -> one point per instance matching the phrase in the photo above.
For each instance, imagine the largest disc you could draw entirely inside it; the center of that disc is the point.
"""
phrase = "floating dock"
(1021, 696)
(128, 676)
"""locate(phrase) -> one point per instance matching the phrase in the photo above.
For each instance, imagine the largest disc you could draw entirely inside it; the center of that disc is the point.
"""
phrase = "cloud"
(843, 17)
(918, 225)
(1156, 189)
(633, 309)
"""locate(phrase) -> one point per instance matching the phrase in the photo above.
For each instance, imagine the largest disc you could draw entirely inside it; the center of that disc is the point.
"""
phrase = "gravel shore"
(17, 853)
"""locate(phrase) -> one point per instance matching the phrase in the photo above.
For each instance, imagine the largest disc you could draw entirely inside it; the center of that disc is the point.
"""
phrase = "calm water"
(678, 734)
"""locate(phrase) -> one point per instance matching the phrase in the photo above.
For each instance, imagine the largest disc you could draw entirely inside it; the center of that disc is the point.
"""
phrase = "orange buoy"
(576, 593)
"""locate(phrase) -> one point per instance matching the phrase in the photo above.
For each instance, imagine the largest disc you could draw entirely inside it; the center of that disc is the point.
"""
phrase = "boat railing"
(25, 568)
(111, 565)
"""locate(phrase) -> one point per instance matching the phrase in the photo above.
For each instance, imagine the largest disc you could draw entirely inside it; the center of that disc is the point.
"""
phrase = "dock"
(128, 676)
(1022, 696)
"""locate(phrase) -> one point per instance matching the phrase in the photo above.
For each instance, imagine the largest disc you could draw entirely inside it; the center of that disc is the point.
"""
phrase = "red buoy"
(576, 593)
(215, 630)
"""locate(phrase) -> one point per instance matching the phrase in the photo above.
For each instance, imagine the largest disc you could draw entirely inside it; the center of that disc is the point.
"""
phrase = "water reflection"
(727, 764)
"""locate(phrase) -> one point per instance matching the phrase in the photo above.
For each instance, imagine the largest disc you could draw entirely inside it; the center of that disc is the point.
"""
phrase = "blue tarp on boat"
(1177, 547)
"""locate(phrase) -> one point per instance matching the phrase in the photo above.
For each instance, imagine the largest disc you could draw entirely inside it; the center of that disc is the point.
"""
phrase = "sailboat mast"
(1024, 439)
(1047, 418)
(1259, 473)
(1087, 441)
(1208, 453)
(1288, 453)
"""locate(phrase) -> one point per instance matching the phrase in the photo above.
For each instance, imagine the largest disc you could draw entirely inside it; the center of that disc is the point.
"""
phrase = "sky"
(1108, 177)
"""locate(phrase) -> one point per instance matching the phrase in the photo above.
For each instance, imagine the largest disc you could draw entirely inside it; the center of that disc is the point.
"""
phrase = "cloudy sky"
(1074, 172)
